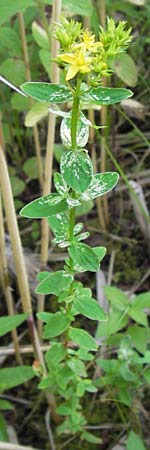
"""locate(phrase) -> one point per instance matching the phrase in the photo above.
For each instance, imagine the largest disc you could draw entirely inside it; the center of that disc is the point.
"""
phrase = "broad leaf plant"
(84, 62)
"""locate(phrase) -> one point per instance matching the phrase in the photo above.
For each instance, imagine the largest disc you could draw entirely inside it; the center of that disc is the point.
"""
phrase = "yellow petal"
(72, 71)
(85, 69)
(67, 58)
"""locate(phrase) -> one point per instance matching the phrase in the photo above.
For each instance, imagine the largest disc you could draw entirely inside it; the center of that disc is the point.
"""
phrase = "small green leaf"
(37, 112)
(5, 406)
(138, 315)
(3, 430)
(77, 170)
(13, 376)
(83, 339)
(101, 184)
(47, 92)
(60, 184)
(84, 257)
(89, 437)
(89, 308)
(116, 297)
(44, 207)
(134, 442)
(139, 337)
(141, 301)
(55, 354)
(59, 224)
(17, 185)
(54, 283)
(106, 96)
(100, 252)
(120, 64)
(82, 131)
(8, 323)
(77, 366)
(30, 167)
(40, 36)
(56, 325)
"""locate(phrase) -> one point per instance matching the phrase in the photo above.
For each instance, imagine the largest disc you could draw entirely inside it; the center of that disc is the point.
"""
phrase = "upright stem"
(49, 153)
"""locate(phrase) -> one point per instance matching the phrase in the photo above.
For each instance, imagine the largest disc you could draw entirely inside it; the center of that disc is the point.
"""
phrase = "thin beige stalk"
(49, 153)
(103, 113)
(4, 279)
(28, 78)
(17, 252)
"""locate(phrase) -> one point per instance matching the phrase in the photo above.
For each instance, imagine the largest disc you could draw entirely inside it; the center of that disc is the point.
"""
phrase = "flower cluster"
(81, 53)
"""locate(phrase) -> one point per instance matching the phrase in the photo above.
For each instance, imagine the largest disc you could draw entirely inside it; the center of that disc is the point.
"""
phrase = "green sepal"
(44, 207)
(56, 325)
(106, 96)
(84, 257)
(47, 92)
(54, 283)
(83, 339)
(77, 170)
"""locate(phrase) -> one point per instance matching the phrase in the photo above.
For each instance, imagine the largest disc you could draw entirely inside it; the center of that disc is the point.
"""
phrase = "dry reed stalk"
(9, 446)
(56, 12)
(103, 114)
(18, 254)
(28, 78)
(4, 279)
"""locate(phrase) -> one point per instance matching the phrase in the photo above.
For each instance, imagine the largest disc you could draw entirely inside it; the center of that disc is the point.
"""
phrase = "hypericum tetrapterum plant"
(84, 62)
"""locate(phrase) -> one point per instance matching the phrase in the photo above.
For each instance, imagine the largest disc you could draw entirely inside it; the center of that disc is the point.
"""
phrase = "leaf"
(120, 64)
(116, 297)
(44, 207)
(78, 7)
(55, 354)
(59, 224)
(19, 102)
(77, 366)
(5, 406)
(9, 8)
(45, 59)
(100, 252)
(8, 323)
(141, 301)
(10, 40)
(17, 186)
(30, 167)
(106, 96)
(37, 112)
(116, 321)
(40, 36)
(89, 437)
(138, 315)
(139, 337)
(3, 430)
(54, 283)
(56, 325)
(16, 76)
(60, 184)
(134, 442)
(84, 208)
(84, 257)
(82, 131)
(101, 184)
(77, 170)
(83, 339)
(14, 376)
(89, 307)
(47, 92)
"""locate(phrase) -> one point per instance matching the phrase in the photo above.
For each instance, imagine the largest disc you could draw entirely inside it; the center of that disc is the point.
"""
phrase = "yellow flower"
(89, 41)
(78, 61)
